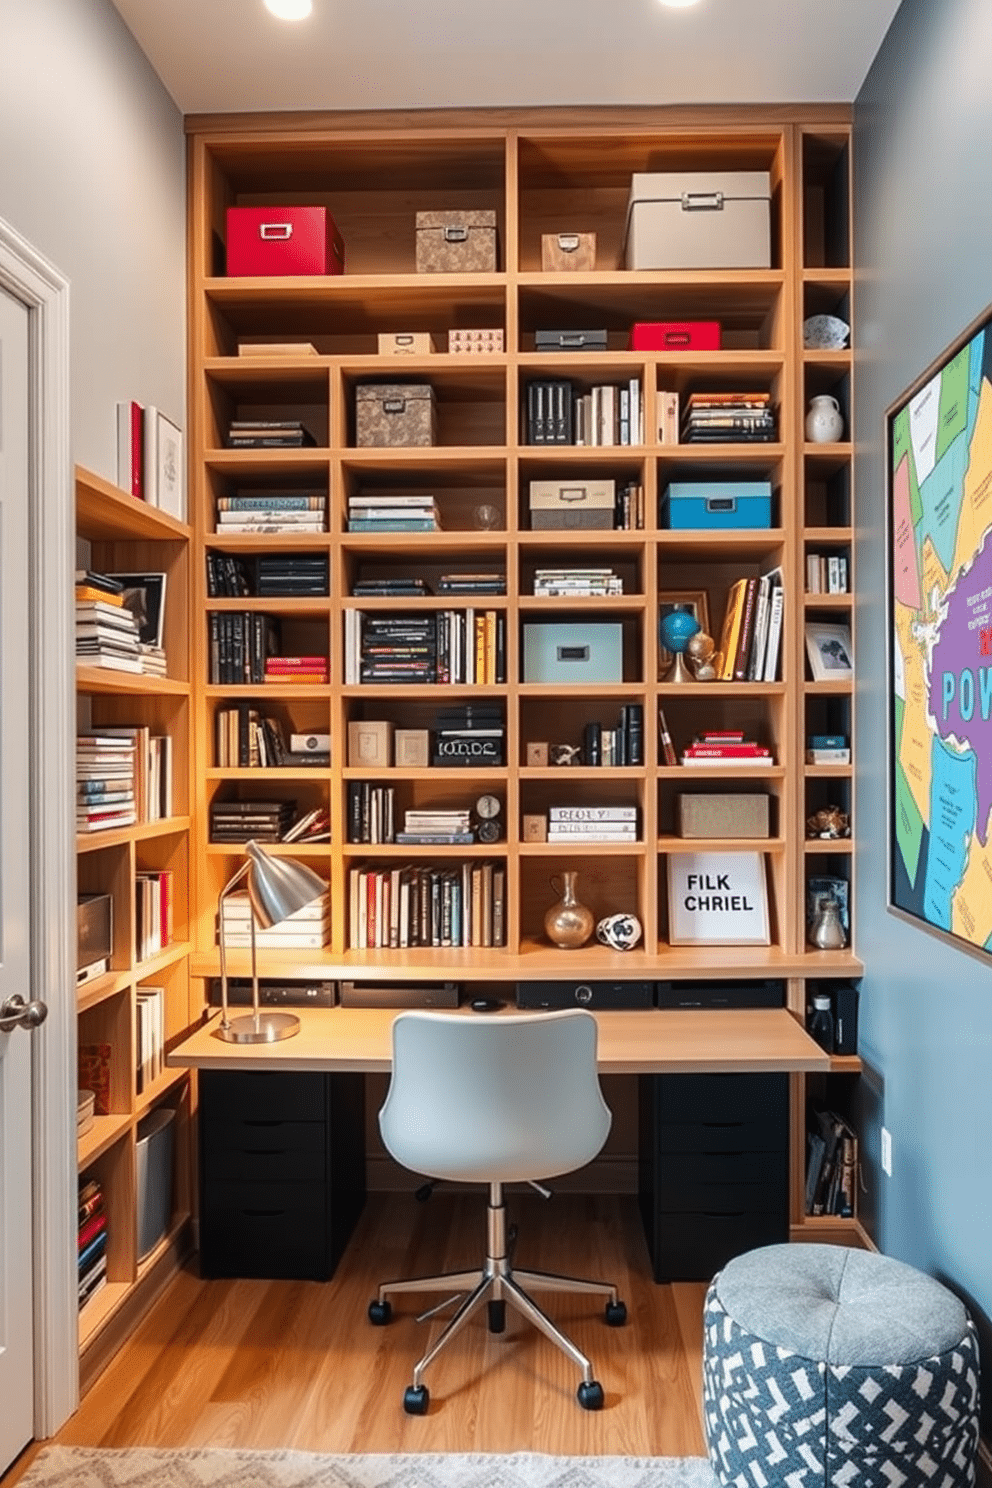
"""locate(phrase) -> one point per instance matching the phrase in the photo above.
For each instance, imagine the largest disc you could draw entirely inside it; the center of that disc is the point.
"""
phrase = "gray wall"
(92, 173)
(923, 227)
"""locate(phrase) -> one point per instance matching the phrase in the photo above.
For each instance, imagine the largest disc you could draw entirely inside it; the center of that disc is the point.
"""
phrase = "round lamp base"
(268, 1028)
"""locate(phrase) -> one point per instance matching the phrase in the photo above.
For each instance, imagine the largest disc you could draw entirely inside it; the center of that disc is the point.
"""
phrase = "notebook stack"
(380, 513)
(307, 930)
(247, 821)
(106, 631)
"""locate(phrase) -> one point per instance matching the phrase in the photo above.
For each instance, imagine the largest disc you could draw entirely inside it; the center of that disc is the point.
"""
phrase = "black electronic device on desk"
(273, 993)
(587, 994)
(763, 992)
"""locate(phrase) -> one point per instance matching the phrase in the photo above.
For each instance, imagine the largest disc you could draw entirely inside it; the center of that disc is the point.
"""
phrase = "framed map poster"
(939, 446)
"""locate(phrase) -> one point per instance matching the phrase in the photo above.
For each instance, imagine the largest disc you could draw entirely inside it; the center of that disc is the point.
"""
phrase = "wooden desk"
(659, 1041)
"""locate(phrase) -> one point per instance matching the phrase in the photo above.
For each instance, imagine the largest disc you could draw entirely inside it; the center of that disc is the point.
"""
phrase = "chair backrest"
(491, 1098)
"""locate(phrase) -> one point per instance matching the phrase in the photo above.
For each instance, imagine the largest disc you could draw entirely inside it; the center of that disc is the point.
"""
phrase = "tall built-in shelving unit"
(118, 534)
(540, 171)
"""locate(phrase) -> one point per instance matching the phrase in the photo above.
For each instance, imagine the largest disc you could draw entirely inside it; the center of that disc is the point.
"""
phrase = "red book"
(294, 663)
(131, 448)
(724, 751)
(91, 1229)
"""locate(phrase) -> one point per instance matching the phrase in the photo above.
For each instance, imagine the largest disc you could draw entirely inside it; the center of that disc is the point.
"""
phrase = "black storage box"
(570, 340)
(764, 992)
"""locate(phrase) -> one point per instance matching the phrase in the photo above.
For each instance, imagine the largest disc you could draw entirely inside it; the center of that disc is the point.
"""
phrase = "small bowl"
(825, 333)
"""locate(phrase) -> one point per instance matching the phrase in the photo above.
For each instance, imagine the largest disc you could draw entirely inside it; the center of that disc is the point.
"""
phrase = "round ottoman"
(835, 1367)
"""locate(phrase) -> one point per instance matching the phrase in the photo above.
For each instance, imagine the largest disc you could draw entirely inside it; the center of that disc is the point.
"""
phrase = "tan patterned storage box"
(568, 251)
(394, 414)
(456, 242)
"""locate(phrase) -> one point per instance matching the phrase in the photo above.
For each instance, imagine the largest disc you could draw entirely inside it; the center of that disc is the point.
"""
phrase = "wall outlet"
(886, 1151)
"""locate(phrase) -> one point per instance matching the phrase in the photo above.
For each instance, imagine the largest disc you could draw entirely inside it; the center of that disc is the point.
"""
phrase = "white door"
(16, 1288)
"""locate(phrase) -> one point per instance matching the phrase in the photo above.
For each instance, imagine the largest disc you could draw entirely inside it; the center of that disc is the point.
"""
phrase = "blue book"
(400, 524)
(827, 741)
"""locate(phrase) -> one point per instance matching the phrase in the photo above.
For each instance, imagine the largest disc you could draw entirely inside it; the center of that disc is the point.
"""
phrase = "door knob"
(16, 1013)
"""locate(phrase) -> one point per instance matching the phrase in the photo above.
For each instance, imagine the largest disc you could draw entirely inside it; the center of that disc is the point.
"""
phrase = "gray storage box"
(154, 1177)
(390, 415)
(572, 505)
(723, 815)
(580, 654)
(699, 220)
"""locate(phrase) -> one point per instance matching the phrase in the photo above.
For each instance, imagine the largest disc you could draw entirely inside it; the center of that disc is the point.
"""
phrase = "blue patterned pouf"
(829, 1367)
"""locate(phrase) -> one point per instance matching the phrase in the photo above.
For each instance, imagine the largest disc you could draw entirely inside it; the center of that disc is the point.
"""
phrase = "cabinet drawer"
(259, 1135)
(291, 1153)
(728, 1198)
(695, 1247)
(721, 1136)
(277, 1230)
(681, 1170)
(717, 1098)
(269, 1095)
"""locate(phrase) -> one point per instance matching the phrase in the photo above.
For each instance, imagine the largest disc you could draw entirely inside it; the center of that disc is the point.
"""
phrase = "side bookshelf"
(116, 534)
(538, 171)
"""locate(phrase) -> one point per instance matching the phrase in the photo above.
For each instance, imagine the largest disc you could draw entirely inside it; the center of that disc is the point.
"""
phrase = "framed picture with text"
(717, 898)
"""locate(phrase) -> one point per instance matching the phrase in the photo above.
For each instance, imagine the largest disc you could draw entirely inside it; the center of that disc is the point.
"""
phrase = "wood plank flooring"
(297, 1364)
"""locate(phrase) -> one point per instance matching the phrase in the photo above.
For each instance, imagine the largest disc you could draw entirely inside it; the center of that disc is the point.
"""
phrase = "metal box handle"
(721, 503)
(455, 234)
(275, 231)
(702, 201)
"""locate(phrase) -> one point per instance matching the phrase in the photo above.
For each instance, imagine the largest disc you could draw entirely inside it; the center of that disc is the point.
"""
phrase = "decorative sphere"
(700, 647)
(620, 932)
(677, 629)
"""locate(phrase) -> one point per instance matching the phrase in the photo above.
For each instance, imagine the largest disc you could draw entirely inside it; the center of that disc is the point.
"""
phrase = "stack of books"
(308, 929)
(403, 586)
(243, 821)
(442, 825)
(577, 583)
(725, 747)
(283, 575)
(92, 1239)
(370, 812)
(105, 782)
(472, 583)
(578, 824)
(463, 905)
(297, 670)
(471, 735)
(153, 912)
(152, 659)
(150, 1036)
(737, 418)
(628, 514)
(751, 633)
(828, 749)
(272, 512)
(106, 630)
(623, 745)
(268, 434)
(381, 513)
(241, 641)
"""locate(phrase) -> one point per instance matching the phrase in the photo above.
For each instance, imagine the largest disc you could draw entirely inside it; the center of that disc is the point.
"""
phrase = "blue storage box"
(582, 653)
(713, 504)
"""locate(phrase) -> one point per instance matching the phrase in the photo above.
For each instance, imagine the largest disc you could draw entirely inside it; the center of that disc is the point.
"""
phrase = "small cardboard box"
(716, 504)
(572, 505)
(456, 242)
(264, 241)
(370, 745)
(412, 748)
(729, 815)
(483, 341)
(573, 654)
(395, 415)
(535, 829)
(406, 343)
(565, 251)
(699, 220)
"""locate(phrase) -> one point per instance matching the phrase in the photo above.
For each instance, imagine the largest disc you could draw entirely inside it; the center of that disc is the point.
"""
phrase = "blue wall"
(923, 256)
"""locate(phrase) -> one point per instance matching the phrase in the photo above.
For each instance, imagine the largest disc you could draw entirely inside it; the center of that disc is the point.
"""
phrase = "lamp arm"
(242, 872)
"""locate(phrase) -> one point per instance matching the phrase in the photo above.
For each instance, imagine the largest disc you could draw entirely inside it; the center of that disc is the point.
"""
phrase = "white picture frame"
(717, 898)
(165, 485)
(830, 652)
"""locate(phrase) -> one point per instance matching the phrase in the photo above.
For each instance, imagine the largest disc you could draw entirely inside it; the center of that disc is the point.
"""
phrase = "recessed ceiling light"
(295, 10)
(678, 4)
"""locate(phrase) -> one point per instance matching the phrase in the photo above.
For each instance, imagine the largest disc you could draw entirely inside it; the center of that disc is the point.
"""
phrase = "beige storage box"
(370, 744)
(406, 343)
(572, 505)
(456, 242)
(699, 220)
(564, 251)
(736, 815)
(394, 415)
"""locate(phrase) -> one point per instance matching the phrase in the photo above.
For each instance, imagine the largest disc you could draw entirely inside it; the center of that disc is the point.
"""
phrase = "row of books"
(826, 573)
(410, 586)
(246, 738)
(556, 412)
(831, 1165)
(267, 575)
(719, 418)
(751, 633)
(241, 642)
(446, 646)
(395, 908)
(153, 912)
(307, 929)
(578, 824)
(370, 812)
(123, 775)
(387, 513)
(91, 1235)
(150, 1036)
(577, 583)
(150, 457)
(622, 745)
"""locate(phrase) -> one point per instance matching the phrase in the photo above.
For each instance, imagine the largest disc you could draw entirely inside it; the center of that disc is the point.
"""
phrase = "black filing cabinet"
(713, 1169)
(282, 1171)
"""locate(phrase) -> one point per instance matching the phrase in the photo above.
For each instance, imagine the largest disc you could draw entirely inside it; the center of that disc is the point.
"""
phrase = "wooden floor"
(297, 1364)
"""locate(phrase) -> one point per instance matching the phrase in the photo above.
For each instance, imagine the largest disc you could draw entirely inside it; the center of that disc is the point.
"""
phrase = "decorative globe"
(700, 647)
(677, 629)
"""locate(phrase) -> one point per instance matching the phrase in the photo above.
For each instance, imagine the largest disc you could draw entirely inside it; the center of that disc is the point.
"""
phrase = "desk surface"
(658, 1041)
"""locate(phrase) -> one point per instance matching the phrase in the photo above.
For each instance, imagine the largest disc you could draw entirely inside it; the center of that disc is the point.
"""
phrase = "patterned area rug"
(87, 1467)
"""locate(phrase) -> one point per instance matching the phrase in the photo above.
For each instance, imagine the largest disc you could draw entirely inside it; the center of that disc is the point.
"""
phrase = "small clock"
(488, 807)
(488, 810)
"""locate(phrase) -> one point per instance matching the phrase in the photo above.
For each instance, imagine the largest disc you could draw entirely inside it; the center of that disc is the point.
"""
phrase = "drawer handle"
(263, 1213)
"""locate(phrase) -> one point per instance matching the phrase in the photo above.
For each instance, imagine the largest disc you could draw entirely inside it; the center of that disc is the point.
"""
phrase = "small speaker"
(845, 1008)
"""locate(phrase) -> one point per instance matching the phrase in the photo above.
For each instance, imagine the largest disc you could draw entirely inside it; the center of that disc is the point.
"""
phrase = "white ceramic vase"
(824, 421)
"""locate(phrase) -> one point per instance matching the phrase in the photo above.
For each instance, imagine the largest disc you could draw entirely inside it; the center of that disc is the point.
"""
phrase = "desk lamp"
(277, 887)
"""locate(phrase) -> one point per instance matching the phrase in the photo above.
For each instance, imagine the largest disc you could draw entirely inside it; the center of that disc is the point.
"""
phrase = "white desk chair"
(495, 1099)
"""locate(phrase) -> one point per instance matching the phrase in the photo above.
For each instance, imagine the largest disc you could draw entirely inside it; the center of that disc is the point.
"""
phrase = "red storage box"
(675, 335)
(282, 240)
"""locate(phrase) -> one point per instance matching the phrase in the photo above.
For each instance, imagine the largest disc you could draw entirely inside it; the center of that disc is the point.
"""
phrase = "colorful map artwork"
(941, 590)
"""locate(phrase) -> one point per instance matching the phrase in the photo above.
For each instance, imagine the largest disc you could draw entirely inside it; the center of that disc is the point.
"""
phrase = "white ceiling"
(231, 55)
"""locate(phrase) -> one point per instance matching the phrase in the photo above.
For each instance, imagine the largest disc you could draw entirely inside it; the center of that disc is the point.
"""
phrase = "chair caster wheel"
(380, 1313)
(590, 1395)
(416, 1400)
(497, 1317)
(616, 1314)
